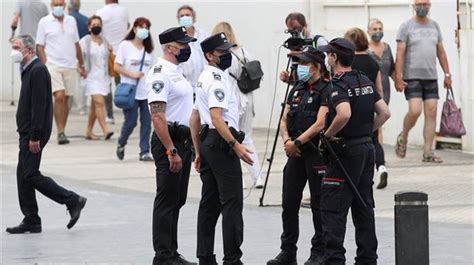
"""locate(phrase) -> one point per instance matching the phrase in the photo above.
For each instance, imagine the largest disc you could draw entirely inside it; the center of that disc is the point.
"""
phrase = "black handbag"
(251, 75)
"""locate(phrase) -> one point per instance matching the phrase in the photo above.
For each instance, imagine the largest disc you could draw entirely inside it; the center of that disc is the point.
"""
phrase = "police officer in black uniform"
(303, 119)
(171, 103)
(218, 149)
(353, 101)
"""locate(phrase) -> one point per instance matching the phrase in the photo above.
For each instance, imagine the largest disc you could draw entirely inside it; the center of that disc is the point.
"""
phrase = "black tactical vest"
(304, 104)
(362, 95)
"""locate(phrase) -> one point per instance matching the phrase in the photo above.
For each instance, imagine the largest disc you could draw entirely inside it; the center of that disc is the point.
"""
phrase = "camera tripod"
(293, 65)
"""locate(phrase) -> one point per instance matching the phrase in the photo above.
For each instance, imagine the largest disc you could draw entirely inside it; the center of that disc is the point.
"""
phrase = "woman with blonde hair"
(246, 104)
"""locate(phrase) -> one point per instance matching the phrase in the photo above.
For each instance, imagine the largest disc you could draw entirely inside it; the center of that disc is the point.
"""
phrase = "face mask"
(186, 21)
(58, 11)
(422, 11)
(142, 33)
(303, 73)
(225, 61)
(377, 36)
(96, 30)
(183, 55)
(16, 56)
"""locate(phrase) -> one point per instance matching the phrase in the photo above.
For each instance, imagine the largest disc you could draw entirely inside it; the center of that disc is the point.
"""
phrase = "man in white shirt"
(58, 47)
(194, 66)
(171, 103)
(115, 21)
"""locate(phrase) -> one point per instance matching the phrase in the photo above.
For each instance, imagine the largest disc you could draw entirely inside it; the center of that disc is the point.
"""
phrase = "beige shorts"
(63, 78)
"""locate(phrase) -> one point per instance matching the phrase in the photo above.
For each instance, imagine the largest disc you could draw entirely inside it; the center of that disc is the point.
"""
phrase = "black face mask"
(96, 30)
(225, 61)
(183, 55)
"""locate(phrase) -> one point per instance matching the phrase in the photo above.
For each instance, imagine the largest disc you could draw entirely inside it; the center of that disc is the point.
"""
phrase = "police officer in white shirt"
(171, 102)
(218, 149)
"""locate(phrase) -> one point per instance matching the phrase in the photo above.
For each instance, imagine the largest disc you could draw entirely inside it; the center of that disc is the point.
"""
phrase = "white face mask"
(16, 56)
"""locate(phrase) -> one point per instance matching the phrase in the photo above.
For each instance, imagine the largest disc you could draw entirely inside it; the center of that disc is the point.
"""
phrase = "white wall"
(259, 26)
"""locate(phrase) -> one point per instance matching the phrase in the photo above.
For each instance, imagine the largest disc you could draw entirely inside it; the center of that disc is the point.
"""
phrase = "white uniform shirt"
(59, 40)
(115, 23)
(130, 57)
(193, 67)
(213, 91)
(166, 83)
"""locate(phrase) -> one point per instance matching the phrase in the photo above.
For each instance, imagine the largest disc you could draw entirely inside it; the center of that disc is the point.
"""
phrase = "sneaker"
(120, 152)
(109, 120)
(259, 183)
(382, 172)
(146, 157)
(283, 258)
(62, 138)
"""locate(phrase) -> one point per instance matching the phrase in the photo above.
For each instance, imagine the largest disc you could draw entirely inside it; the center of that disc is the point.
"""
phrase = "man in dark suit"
(34, 119)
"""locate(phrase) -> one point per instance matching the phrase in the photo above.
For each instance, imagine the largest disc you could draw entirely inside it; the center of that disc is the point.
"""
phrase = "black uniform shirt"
(35, 108)
(356, 89)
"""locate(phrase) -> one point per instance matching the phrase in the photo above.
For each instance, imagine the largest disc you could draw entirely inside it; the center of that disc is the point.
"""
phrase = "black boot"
(75, 211)
(314, 260)
(24, 228)
(179, 259)
(284, 258)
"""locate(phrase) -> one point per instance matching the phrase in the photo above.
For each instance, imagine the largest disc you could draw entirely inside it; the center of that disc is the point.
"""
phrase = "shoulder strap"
(238, 58)
(142, 62)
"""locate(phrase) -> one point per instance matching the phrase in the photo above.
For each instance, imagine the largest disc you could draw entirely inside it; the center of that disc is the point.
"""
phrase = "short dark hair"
(358, 37)
(345, 59)
(89, 21)
(188, 7)
(296, 16)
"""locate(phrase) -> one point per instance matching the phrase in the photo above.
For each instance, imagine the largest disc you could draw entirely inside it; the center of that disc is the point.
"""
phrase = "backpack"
(251, 75)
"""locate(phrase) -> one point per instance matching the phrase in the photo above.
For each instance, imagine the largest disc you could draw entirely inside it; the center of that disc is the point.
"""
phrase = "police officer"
(352, 102)
(171, 103)
(218, 150)
(302, 120)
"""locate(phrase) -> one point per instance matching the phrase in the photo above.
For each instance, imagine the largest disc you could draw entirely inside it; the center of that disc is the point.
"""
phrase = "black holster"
(179, 132)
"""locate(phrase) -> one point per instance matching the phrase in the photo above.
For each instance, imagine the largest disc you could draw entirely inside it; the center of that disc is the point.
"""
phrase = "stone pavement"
(115, 227)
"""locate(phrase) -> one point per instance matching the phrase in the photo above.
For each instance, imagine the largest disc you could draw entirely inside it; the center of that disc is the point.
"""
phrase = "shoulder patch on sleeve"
(217, 76)
(157, 86)
(219, 94)
(157, 69)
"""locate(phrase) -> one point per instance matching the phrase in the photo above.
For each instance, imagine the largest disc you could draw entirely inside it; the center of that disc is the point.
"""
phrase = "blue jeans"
(131, 118)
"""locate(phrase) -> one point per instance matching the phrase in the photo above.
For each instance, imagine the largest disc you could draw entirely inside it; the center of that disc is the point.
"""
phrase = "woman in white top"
(95, 52)
(246, 104)
(138, 44)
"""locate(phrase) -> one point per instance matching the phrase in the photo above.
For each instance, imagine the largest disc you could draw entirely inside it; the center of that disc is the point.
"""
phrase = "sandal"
(431, 158)
(400, 148)
(92, 137)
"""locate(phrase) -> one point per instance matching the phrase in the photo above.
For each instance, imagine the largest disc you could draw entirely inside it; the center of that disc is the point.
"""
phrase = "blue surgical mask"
(58, 11)
(303, 73)
(422, 11)
(186, 21)
(225, 61)
(142, 33)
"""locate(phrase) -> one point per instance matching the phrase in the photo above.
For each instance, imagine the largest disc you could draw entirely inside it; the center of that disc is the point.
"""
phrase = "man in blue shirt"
(81, 20)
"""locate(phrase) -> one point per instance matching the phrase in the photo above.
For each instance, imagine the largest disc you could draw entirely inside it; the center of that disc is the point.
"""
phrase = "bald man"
(419, 43)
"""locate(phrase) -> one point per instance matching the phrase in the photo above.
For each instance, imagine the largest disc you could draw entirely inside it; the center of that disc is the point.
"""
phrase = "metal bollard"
(411, 229)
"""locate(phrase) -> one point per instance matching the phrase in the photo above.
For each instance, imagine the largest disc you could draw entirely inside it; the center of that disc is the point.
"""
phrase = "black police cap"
(339, 46)
(310, 54)
(217, 42)
(177, 34)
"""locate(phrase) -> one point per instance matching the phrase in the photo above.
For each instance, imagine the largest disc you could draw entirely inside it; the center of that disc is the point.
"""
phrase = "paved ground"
(115, 227)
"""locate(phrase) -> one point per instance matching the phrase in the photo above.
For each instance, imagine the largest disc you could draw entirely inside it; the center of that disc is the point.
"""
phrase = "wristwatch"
(231, 143)
(297, 143)
(447, 75)
(172, 152)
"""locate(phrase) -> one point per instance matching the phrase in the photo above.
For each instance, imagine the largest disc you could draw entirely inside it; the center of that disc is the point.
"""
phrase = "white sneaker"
(383, 175)
(259, 183)
(109, 120)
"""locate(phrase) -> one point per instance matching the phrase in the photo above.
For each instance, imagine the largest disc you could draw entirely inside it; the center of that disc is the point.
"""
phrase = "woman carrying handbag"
(132, 61)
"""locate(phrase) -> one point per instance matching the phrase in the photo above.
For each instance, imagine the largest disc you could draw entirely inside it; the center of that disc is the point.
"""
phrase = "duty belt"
(179, 132)
(357, 141)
